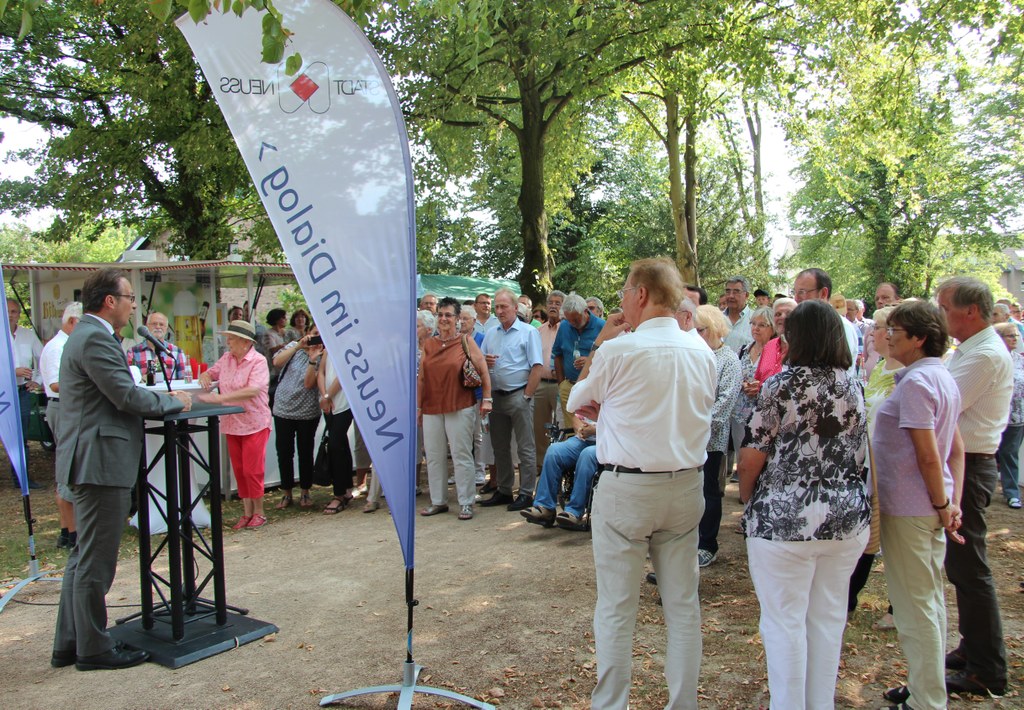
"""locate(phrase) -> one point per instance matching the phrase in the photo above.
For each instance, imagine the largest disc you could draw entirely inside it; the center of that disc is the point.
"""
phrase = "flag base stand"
(408, 688)
(33, 576)
(33, 563)
(410, 672)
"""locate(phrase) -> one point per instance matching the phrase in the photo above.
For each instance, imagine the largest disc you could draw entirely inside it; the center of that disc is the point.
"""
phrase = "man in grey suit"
(99, 444)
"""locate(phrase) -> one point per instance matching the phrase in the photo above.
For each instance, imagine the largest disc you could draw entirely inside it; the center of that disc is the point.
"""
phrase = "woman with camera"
(297, 413)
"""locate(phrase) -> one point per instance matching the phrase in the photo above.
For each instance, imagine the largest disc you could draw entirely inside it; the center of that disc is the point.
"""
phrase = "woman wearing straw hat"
(243, 378)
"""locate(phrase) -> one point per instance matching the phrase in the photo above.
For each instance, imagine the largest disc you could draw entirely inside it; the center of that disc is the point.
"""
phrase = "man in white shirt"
(983, 372)
(815, 283)
(49, 367)
(654, 391)
(27, 350)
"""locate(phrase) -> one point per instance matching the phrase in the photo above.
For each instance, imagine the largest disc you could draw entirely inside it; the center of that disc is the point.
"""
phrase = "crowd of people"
(847, 435)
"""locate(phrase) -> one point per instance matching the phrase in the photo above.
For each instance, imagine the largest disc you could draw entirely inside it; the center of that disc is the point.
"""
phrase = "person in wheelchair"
(577, 451)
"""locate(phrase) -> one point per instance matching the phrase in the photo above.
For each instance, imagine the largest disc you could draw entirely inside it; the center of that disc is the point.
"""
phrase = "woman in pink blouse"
(242, 377)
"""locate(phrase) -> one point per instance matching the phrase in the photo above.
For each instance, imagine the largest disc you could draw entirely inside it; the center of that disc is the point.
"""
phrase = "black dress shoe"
(498, 498)
(963, 682)
(521, 503)
(62, 659)
(955, 660)
(652, 578)
(112, 660)
(899, 695)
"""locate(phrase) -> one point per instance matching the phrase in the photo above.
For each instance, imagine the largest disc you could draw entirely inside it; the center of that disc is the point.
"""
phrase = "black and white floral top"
(811, 423)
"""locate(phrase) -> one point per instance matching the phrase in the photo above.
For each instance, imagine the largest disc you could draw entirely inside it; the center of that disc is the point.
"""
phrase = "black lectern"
(182, 626)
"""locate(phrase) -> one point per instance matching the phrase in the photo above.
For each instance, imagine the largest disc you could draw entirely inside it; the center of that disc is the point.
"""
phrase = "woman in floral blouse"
(713, 327)
(803, 478)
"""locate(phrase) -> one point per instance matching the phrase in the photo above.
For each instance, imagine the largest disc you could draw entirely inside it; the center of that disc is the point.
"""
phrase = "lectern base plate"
(203, 638)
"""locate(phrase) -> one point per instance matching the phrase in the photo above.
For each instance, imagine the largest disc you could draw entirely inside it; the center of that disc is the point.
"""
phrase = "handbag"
(470, 377)
(322, 463)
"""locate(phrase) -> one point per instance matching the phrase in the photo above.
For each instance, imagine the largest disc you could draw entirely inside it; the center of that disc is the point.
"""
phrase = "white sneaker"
(705, 557)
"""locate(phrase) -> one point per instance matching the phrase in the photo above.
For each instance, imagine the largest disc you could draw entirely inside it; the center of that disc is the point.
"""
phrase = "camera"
(315, 340)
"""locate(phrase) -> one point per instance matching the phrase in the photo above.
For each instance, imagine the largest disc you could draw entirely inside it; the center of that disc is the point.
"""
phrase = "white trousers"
(915, 549)
(636, 514)
(453, 430)
(803, 589)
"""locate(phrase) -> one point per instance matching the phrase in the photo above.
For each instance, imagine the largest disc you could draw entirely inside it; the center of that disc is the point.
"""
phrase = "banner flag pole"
(328, 152)
(13, 438)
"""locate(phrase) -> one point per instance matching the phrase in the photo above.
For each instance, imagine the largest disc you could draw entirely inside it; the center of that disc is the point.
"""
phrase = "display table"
(182, 627)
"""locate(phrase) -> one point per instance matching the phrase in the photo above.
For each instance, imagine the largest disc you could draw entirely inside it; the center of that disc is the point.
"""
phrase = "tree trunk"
(753, 116)
(688, 265)
(538, 263)
(675, 187)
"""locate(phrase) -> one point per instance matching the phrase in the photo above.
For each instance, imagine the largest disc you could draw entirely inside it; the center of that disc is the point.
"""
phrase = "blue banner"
(11, 434)
(328, 152)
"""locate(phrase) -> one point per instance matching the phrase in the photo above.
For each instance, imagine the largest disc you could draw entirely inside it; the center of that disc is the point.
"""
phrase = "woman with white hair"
(713, 327)
(774, 352)
(762, 329)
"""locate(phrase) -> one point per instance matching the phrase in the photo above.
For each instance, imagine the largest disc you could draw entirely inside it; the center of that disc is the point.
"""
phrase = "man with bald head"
(654, 391)
(142, 354)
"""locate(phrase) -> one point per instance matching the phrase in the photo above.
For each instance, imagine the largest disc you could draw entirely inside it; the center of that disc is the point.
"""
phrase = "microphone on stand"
(159, 348)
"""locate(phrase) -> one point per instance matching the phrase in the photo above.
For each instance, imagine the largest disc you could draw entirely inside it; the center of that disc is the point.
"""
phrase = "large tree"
(897, 181)
(523, 69)
(135, 136)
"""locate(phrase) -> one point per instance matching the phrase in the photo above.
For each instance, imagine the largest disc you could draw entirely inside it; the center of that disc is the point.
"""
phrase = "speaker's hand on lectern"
(184, 397)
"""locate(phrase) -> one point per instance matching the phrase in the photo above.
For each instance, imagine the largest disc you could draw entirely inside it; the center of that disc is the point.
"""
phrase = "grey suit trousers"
(100, 512)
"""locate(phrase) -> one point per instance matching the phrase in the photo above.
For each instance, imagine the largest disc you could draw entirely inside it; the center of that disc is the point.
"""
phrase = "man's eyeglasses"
(621, 293)
(801, 293)
(129, 296)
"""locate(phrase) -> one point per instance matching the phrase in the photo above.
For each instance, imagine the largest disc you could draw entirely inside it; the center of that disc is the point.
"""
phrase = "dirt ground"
(505, 615)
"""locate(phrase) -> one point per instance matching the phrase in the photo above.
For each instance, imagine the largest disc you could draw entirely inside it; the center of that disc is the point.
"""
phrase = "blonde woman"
(713, 327)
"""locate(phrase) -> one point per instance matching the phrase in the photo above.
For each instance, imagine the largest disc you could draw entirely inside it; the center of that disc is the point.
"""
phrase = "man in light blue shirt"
(575, 339)
(514, 358)
(737, 292)
(484, 320)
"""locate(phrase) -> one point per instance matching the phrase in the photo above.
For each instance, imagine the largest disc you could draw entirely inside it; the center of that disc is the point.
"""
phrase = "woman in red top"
(774, 351)
(448, 411)
(243, 378)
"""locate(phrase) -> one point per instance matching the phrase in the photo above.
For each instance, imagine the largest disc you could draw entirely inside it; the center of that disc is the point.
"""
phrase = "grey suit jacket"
(99, 436)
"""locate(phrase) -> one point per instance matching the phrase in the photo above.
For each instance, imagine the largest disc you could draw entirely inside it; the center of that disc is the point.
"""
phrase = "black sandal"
(333, 509)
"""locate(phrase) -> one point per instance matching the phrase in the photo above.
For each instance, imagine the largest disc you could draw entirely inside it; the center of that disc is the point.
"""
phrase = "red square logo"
(304, 87)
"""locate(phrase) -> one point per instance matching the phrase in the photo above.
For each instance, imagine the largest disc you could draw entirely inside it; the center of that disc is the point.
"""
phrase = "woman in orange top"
(448, 411)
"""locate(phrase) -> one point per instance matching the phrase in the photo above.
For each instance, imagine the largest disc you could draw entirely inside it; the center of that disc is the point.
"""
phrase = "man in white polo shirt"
(49, 368)
(654, 390)
(983, 372)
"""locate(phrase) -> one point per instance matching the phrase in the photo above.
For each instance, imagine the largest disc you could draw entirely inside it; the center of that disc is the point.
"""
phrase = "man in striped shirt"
(982, 369)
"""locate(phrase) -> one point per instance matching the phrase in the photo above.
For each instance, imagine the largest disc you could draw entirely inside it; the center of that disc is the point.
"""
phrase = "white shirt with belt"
(656, 389)
(983, 372)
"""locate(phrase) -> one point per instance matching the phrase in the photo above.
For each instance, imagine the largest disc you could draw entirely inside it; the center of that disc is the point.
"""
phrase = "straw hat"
(241, 328)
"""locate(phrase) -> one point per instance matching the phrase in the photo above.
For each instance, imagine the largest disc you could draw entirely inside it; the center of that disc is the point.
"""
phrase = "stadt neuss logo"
(313, 88)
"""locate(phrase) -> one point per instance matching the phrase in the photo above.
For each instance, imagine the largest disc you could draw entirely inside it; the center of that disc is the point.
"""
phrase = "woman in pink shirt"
(243, 378)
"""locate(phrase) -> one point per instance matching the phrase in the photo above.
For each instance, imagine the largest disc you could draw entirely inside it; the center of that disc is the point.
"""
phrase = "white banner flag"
(328, 153)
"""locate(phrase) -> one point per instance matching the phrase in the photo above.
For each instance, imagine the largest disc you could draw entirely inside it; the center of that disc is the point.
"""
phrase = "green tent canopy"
(463, 288)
